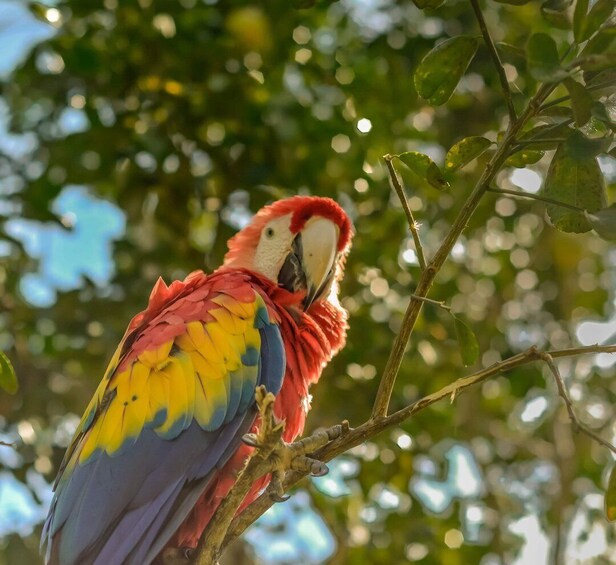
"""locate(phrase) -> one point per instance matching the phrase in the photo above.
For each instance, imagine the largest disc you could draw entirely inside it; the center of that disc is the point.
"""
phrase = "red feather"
(311, 339)
(243, 244)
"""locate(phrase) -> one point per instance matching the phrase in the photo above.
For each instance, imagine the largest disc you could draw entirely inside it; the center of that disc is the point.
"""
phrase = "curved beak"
(311, 264)
(319, 250)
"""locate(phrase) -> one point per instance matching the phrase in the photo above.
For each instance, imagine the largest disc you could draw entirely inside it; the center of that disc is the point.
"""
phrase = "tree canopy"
(136, 137)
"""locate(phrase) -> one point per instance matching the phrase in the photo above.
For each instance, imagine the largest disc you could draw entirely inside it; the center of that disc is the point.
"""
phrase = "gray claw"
(250, 440)
(319, 469)
(277, 498)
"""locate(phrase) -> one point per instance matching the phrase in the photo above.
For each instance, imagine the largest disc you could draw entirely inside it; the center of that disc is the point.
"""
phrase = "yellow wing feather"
(201, 374)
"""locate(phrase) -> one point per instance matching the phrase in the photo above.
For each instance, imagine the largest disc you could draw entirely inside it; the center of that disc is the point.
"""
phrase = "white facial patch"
(274, 245)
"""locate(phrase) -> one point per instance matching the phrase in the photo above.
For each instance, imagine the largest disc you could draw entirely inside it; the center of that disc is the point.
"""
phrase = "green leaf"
(581, 101)
(39, 11)
(465, 151)
(610, 496)
(579, 19)
(605, 78)
(599, 112)
(580, 147)
(600, 43)
(556, 114)
(524, 157)
(8, 379)
(586, 24)
(467, 341)
(421, 4)
(543, 60)
(440, 70)
(546, 132)
(578, 182)
(555, 12)
(598, 15)
(513, 2)
(304, 4)
(604, 222)
(425, 168)
(508, 51)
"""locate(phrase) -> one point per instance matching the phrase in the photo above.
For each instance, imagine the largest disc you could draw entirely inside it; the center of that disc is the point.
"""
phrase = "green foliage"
(467, 341)
(543, 59)
(8, 378)
(421, 4)
(442, 68)
(425, 168)
(586, 23)
(581, 101)
(575, 179)
(463, 152)
(191, 103)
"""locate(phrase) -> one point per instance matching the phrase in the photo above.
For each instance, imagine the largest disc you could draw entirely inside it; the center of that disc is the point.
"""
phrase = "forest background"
(137, 137)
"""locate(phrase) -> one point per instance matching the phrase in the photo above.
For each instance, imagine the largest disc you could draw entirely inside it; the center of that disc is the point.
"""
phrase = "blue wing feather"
(124, 508)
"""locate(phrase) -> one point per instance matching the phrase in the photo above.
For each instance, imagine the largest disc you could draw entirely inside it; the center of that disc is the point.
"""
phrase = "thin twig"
(537, 136)
(413, 225)
(526, 142)
(589, 87)
(500, 69)
(386, 385)
(534, 197)
(562, 391)
(373, 427)
(440, 303)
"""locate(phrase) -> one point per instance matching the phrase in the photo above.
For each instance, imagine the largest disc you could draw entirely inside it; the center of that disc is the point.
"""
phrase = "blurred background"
(137, 137)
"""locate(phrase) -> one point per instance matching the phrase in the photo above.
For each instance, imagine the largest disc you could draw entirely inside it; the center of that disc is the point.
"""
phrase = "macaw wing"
(169, 413)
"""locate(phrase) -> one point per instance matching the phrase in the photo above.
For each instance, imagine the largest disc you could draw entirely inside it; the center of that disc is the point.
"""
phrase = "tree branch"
(379, 420)
(373, 427)
(413, 225)
(534, 197)
(440, 303)
(270, 432)
(496, 58)
(392, 366)
(562, 391)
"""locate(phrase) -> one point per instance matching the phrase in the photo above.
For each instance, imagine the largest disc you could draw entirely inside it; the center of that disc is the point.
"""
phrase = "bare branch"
(373, 427)
(562, 391)
(502, 76)
(521, 194)
(386, 385)
(413, 225)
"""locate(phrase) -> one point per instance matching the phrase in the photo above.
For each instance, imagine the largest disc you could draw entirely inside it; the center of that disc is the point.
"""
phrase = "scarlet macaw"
(160, 445)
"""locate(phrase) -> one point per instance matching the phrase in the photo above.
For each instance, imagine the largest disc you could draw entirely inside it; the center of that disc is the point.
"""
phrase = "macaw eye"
(269, 233)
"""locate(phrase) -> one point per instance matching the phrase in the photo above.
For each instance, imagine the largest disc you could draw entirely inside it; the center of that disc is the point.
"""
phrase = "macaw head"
(299, 243)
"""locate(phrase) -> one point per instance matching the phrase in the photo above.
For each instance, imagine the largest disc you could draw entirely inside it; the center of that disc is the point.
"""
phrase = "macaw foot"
(281, 456)
(297, 457)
